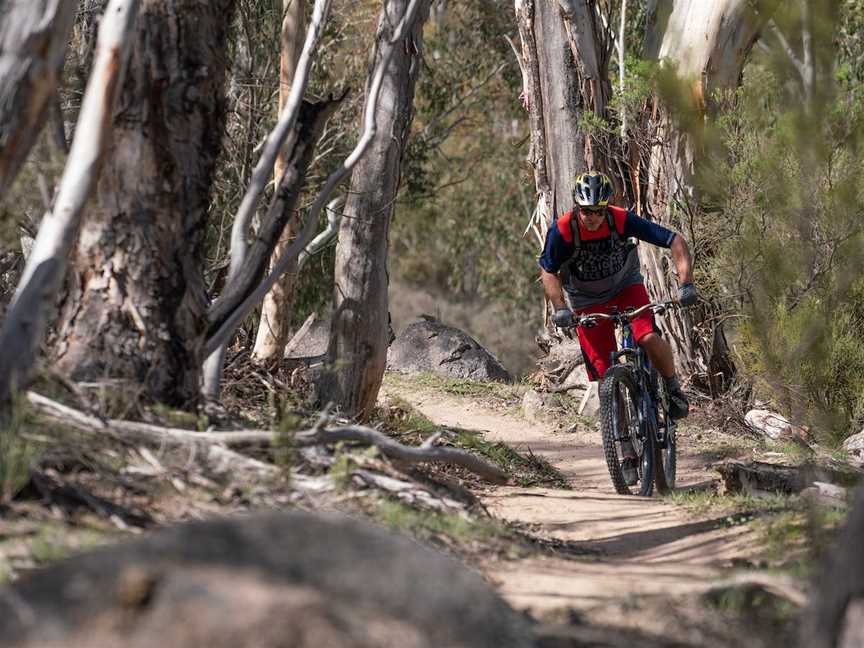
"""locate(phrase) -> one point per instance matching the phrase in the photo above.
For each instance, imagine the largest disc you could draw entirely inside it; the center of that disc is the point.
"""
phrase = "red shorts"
(599, 341)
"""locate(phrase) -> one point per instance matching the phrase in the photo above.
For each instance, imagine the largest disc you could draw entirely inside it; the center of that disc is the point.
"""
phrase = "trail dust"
(620, 548)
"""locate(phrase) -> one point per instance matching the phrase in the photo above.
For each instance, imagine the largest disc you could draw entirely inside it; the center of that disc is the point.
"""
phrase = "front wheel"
(620, 423)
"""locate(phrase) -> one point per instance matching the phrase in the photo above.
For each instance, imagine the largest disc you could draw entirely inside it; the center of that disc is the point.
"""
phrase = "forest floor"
(692, 568)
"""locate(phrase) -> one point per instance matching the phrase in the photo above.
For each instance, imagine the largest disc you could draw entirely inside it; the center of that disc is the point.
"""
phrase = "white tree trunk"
(42, 278)
(360, 326)
(708, 43)
(276, 310)
(33, 37)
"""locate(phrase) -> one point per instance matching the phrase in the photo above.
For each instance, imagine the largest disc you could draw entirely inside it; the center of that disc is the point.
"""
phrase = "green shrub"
(787, 194)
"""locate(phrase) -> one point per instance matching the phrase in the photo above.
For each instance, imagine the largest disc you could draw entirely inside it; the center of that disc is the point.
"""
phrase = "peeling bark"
(33, 37)
(708, 44)
(136, 305)
(360, 329)
(564, 63)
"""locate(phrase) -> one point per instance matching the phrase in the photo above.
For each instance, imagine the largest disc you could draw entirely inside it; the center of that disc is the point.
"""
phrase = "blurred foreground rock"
(288, 580)
(429, 345)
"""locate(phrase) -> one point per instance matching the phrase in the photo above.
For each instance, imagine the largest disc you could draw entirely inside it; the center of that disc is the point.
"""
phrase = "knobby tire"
(610, 393)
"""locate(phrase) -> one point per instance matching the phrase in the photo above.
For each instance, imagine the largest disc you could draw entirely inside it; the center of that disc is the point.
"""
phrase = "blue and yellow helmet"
(592, 189)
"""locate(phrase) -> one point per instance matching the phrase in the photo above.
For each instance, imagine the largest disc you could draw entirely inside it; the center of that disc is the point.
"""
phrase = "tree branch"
(410, 454)
(284, 263)
(284, 127)
(221, 461)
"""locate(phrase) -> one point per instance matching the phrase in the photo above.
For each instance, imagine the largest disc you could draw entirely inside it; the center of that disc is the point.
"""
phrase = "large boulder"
(292, 580)
(429, 345)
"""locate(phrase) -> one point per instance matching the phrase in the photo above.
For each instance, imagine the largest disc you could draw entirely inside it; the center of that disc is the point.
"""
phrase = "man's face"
(592, 219)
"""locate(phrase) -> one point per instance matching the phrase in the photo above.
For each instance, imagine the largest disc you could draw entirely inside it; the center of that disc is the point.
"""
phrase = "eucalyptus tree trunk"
(564, 60)
(564, 74)
(360, 327)
(33, 37)
(36, 295)
(708, 43)
(565, 54)
(136, 306)
(273, 328)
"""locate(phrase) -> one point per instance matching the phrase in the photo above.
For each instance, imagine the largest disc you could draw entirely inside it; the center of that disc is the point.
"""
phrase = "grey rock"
(429, 345)
(279, 579)
(592, 406)
(312, 343)
(533, 405)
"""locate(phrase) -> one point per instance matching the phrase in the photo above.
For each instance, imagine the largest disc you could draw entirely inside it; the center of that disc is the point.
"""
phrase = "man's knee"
(650, 339)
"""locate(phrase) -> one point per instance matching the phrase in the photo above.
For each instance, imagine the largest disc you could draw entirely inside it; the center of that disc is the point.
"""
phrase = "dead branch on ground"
(225, 462)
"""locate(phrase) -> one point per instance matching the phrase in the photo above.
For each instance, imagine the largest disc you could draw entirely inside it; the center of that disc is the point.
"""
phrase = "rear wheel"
(620, 422)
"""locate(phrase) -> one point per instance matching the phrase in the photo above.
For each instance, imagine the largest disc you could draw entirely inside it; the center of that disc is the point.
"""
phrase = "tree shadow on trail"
(638, 541)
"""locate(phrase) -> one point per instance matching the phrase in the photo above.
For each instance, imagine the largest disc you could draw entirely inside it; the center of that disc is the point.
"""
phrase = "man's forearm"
(553, 289)
(683, 260)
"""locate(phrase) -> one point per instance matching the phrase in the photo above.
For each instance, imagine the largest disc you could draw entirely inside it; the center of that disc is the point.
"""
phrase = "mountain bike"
(634, 410)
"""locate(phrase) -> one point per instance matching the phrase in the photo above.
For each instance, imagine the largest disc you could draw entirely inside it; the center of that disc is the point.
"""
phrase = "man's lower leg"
(679, 405)
(660, 354)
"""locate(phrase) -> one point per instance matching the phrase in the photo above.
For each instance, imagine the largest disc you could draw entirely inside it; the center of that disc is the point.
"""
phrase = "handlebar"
(590, 319)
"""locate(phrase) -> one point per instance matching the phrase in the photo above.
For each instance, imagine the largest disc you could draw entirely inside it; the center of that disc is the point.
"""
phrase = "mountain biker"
(587, 255)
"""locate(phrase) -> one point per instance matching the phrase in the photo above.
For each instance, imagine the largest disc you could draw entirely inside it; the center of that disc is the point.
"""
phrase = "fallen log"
(761, 478)
(406, 491)
(409, 454)
(758, 478)
(224, 460)
(219, 460)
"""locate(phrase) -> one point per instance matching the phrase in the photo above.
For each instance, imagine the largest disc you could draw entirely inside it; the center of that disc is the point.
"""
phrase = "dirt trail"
(633, 547)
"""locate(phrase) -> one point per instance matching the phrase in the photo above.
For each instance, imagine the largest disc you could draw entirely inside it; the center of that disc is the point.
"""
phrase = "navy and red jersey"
(600, 266)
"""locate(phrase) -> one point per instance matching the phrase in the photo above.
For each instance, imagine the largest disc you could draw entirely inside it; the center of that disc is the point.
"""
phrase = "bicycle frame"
(647, 406)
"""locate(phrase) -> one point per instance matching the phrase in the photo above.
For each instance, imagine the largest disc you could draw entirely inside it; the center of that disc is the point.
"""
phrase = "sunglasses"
(593, 210)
